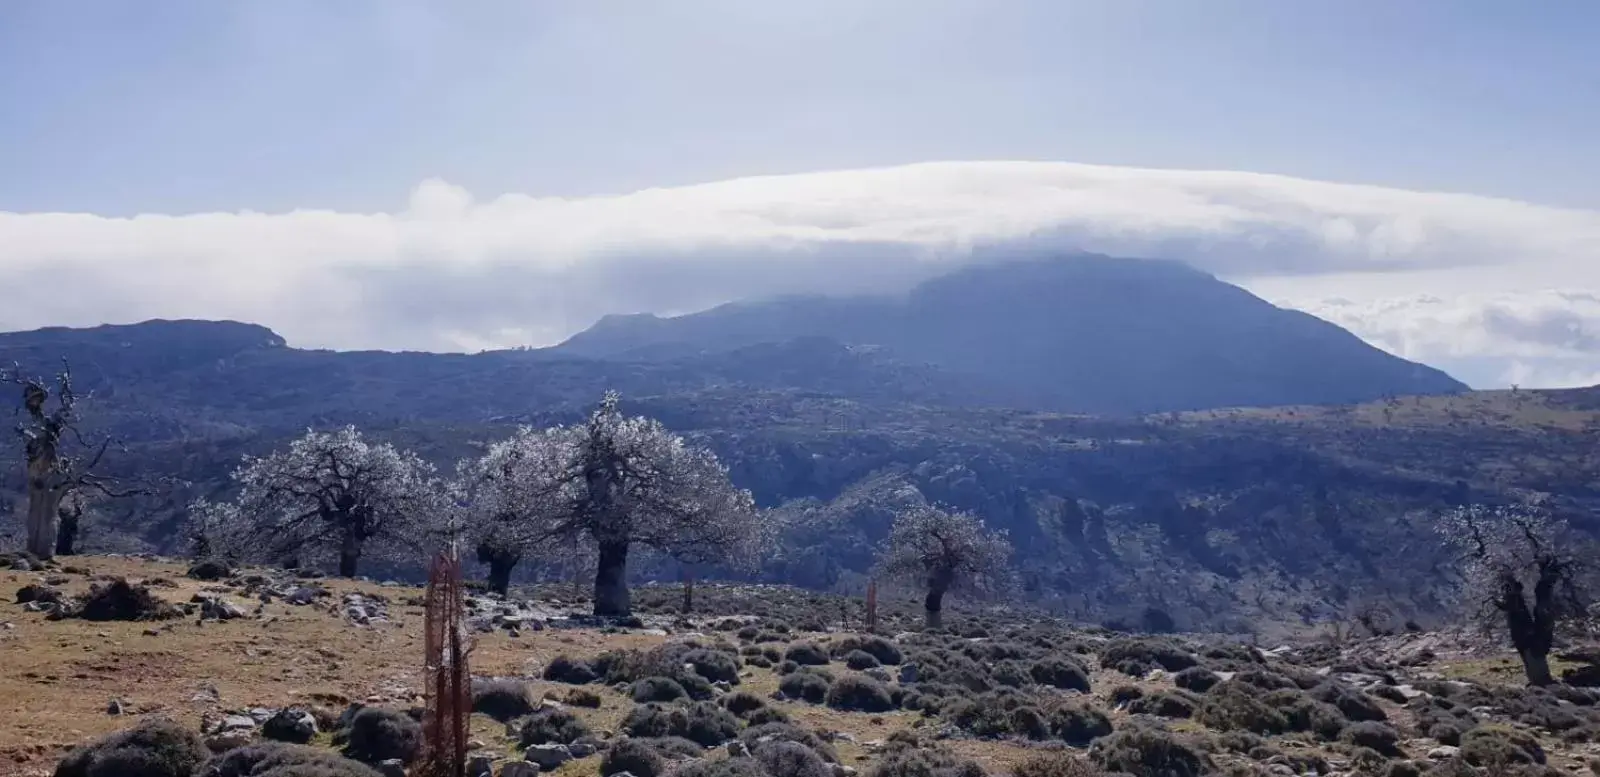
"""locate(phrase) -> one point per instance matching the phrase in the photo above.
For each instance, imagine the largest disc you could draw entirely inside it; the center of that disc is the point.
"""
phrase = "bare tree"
(331, 494)
(59, 460)
(616, 482)
(1507, 554)
(944, 551)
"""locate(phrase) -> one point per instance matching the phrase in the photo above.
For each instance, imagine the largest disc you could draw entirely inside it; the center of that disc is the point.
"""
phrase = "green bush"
(378, 734)
(861, 660)
(1500, 746)
(1377, 736)
(635, 757)
(790, 759)
(1197, 679)
(1060, 671)
(1137, 657)
(158, 747)
(661, 689)
(1147, 752)
(552, 725)
(1078, 724)
(806, 654)
(1175, 703)
(503, 700)
(278, 759)
(565, 669)
(1055, 764)
(879, 648)
(859, 694)
(808, 685)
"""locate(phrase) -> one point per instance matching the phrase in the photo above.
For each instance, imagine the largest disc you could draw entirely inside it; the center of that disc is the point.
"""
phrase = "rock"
(582, 749)
(393, 767)
(1410, 692)
(20, 564)
(908, 672)
(1443, 753)
(737, 749)
(292, 724)
(301, 596)
(548, 756)
(1281, 770)
(114, 707)
(480, 765)
(230, 740)
(521, 769)
(236, 723)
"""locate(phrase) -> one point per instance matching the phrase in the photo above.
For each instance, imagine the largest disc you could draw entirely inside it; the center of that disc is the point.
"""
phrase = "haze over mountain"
(1081, 333)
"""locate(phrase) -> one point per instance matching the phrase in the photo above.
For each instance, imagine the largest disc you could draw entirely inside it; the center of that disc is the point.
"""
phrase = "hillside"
(1071, 333)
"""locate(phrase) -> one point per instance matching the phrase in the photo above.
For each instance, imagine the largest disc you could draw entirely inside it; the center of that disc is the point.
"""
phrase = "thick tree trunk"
(1536, 666)
(67, 533)
(611, 581)
(349, 554)
(933, 609)
(44, 519)
(500, 566)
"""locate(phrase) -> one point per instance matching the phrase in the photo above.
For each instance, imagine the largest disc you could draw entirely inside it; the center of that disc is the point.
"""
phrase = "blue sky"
(122, 107)
(450, 176)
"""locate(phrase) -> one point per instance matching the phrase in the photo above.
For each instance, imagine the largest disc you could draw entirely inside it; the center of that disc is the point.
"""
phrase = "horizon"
(404, 175)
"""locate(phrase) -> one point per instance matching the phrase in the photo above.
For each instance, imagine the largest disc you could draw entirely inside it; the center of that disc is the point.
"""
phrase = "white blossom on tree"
(330, 495)
(944, 551)
(1522, 570)
(516, 484)
(618, 482)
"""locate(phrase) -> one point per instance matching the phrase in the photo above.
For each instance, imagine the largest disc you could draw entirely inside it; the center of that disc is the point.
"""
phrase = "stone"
(237, 723)
(291, 724)
(908, 672)
(737, 749)
(393, 767)
(301, 596)
(582, 749)
(521, 769)
(114, 707)
(1443, 753)
(480, 765)
(230, 740)
(548, 756)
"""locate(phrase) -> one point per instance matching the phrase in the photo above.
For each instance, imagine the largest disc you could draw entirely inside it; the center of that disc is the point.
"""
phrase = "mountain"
(1077, 333)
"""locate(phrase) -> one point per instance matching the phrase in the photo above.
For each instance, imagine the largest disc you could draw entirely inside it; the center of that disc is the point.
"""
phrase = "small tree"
(517, 483)
(59, 460)
(944, 551)
(331, 494)
(617, 482)
(1507, 555)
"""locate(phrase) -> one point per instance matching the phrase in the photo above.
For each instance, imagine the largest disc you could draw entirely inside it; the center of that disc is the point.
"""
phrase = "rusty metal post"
(872, 605)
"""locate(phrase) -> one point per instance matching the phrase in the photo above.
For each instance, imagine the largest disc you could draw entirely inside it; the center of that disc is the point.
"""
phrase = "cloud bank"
(1497, 291)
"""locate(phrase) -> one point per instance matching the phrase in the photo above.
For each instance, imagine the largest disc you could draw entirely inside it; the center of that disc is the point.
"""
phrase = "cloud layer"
(1499, 291)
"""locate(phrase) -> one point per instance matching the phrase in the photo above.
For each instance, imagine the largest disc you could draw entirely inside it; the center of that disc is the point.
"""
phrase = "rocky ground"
(762, 682)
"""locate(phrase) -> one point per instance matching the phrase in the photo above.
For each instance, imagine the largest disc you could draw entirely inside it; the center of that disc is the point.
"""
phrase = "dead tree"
(59, 461)
(1521, 570)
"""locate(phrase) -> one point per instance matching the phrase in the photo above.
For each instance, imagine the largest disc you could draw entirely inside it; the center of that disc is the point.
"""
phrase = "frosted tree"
(1523, 571)
(516, 484)
(944, 551)
(618, 482)
(59, 461)
(330, 495)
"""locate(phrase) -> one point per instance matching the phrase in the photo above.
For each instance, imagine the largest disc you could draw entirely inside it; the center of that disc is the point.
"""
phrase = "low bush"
(1499, 746)
(1060, 671)
(119, 600)
(1079, 724)
(210, 569)
(925, 762)
(277, 759)
(1055, 764)
(714, 665)
(158, 747)
(810, 686)
(1377, 736)
(1147, 752)
(552, 726)
(378, 734)
(859, 694)
(1137, 657)
(790, 759)
(503, 700)
(582, 697)
(742, 703)
(1197, 679)
(565, 669)
(860, 660)
(1175, 703)
(879, 648)
(806, 654)
(704, 723)
(634, 757)
(786, 732)
(1354, 704)
(661, 689)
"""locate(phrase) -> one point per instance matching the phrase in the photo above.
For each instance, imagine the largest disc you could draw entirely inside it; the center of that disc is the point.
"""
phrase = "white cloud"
(452, 272)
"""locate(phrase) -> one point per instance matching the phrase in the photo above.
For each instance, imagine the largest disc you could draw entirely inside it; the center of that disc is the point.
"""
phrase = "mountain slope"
(1079, 333)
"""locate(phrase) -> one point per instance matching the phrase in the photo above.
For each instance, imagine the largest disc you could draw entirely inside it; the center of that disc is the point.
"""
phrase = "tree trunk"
(933, 609)
(349, 554)
(611, 580)
(67, 533)
(1536, 666)
(500, 566)
(44, 519)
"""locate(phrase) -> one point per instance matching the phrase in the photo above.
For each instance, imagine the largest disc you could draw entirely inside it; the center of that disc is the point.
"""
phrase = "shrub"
(1147, 752)
(860, 660)
(714, 665)
(1266, 681)
(729, 767)
(582, 697)
(657, 689)
(791, 759)
(210, 569)
(1500, 746)
(1377, 736)
(861, 694)
(766, 715)
(1079, 724)
(379, 734)
(503, 700)
(742, 703)
(1138, 657)
(634, 757)
(1234, 706)
(565, 669)
(806, 654)
(703, 723)
(1167, 704)
(1304, 713)
(1060, 672)
(155, 748)
(924, 762)
(785, 732)
(1354, 704)
(119, 600)
(552, 725)
(287, 725)
(1197, 679)
(1441, 719)
(1055, 764)
(1029, 722)
(1011, 674)
(1126, 694)
(810, 686)
(879, 648)
(277, 759)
